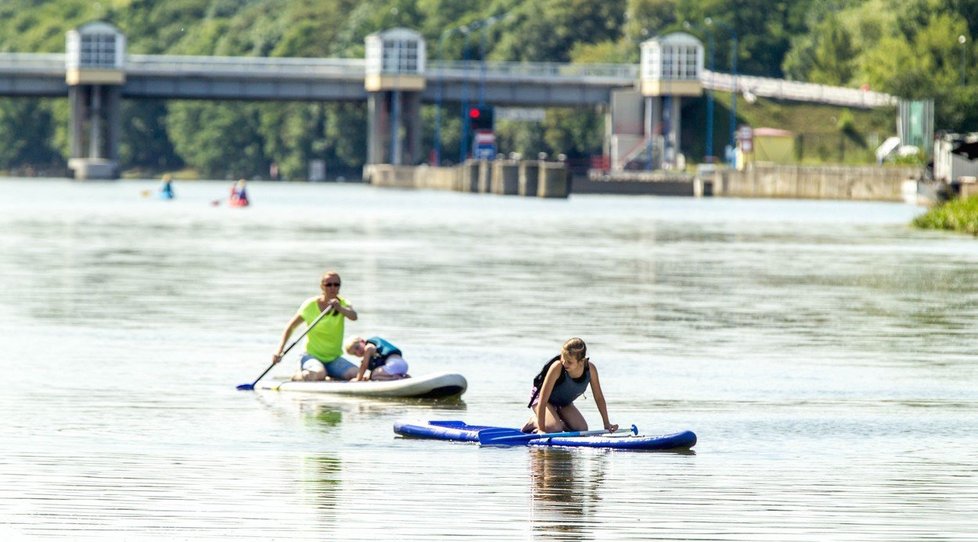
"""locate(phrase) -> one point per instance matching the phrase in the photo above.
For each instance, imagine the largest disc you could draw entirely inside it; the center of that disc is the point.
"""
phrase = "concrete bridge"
(394, 79)
(526, 84)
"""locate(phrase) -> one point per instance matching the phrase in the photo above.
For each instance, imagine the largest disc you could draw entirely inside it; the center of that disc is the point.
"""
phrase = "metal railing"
(33, 63)
(243, 65)
(794, 90)
(614, 73)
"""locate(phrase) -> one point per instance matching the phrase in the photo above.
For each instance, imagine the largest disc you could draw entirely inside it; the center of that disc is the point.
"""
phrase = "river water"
(822, 351)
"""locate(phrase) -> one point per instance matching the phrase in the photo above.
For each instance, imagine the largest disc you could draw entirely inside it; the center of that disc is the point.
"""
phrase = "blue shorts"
(335, 368)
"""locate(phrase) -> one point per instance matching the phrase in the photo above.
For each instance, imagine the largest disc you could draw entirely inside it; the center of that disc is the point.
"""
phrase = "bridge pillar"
(94, 74)
(395, 61)
(394, 127)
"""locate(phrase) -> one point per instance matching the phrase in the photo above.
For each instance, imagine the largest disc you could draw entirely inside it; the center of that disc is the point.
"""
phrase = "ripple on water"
(820, 350)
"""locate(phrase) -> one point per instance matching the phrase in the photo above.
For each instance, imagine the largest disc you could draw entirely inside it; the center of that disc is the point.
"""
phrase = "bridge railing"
(235, 65)
(794, 90)
(33, 63)
(623, 73)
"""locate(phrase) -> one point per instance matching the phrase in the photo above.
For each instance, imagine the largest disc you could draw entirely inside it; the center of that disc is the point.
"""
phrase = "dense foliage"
(957, 215)
(906, 47)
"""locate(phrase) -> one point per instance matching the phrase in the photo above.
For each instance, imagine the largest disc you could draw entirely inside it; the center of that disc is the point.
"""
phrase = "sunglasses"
(331, 284)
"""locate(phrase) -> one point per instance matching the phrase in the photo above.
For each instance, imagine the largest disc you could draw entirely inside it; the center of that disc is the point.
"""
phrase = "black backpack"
(538, 379)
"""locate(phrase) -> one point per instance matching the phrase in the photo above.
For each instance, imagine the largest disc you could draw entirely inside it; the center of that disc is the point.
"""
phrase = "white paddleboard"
(426, 386)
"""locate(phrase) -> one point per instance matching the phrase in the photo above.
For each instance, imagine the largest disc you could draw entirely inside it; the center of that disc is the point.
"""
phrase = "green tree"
(825, 55)
(546, 30)
(222, 141)
(26, 134)
(144, 141)
(645, 19)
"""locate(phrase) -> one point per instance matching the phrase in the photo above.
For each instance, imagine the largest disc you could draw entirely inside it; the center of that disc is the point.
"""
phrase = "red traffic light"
(474, 113)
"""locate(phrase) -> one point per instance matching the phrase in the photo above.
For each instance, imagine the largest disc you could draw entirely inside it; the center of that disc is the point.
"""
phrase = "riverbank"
(960, 215)
(845, 182)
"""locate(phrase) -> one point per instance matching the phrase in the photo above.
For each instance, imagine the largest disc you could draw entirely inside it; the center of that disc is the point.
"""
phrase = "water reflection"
(565, 489)
(321, 483)
(775, 329)
(321, 416)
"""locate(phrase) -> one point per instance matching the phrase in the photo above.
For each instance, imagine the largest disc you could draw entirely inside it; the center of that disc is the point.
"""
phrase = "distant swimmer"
(239, 195)
(166, 187)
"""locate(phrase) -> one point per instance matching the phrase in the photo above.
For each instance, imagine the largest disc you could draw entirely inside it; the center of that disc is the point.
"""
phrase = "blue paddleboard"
(455, 430)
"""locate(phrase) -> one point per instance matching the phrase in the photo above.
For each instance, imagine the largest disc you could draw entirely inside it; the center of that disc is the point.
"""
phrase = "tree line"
(911, 48)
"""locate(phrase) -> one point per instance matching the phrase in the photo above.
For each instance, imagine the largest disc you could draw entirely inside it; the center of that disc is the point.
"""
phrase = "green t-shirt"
(325, 341)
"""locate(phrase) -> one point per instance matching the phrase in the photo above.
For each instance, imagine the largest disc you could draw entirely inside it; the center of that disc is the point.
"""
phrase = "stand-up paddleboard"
(460, 431)
(431, 386)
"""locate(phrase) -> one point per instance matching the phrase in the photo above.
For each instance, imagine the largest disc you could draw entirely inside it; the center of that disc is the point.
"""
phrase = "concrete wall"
(815, 182)
(505, 177)
(650, 183)
(551, 179)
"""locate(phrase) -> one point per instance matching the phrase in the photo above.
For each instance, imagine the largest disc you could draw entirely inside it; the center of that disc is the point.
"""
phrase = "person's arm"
(289, 328)
(346, 310)
(599, 399)
(368, 352)
(549, 381)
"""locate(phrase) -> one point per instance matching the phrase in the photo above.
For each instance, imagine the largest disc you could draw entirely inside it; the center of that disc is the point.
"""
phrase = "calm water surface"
(823, 352)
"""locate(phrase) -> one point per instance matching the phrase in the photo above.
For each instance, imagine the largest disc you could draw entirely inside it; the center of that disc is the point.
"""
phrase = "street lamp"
(464, 30)
(962, 39)
(440, 93)
(462, 151)
(710, 48)
(733, 89)
(485, 24)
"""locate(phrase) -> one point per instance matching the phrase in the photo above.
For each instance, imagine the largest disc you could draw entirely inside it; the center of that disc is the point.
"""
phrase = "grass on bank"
(959, 215)
(824, 134)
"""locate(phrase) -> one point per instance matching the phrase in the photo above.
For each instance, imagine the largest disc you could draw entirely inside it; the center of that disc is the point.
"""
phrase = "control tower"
(394, 81)
(94, 62)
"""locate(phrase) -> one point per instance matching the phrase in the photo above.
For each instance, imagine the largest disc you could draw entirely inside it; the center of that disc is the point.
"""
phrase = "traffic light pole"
(463, 143)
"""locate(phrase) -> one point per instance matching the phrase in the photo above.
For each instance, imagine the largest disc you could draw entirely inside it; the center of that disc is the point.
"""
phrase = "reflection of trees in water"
(320, 482)
(321, 416)
(565, 486)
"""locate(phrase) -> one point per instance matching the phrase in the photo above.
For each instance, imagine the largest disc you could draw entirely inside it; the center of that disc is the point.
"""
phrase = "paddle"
(245, 387)
(515, 437)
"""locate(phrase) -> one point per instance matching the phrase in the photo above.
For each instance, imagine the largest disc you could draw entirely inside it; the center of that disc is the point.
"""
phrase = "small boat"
(433, 386)
(455, 430)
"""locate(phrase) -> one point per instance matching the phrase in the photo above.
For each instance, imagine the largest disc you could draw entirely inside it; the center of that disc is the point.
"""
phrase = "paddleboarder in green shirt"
(324, 342)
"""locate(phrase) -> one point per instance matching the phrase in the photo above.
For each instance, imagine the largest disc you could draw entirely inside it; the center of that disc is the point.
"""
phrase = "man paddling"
(324, 341)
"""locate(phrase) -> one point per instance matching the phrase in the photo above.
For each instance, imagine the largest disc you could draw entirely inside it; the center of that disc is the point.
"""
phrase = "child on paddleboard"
(378, 356)
(324, 342)
(564, 379)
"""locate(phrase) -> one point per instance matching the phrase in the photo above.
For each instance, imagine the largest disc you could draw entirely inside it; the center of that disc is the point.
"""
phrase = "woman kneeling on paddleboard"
(556, 388)
(324, 341)
(378, 356)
